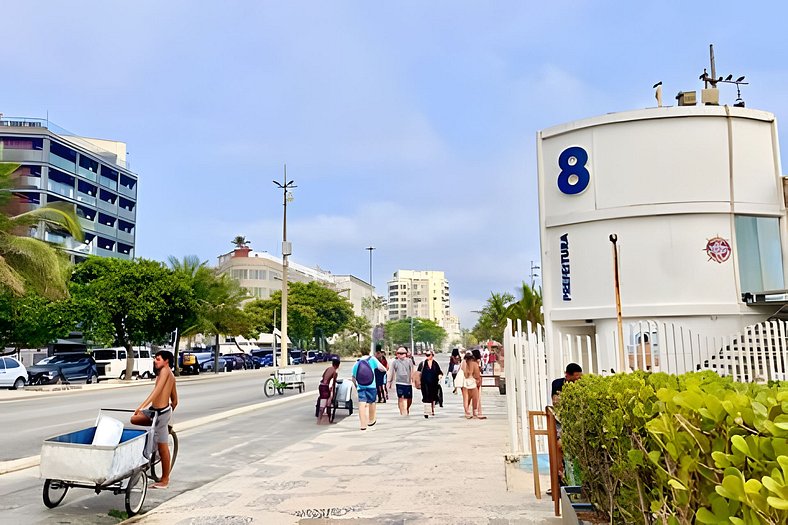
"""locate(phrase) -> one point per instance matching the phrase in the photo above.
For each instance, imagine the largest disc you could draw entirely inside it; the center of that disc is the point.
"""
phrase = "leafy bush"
(655, 448)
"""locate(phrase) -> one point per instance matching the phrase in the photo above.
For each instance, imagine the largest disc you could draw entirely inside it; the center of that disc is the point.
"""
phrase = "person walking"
(477, 412)
(364, 378)
(471, 381)
(431, 374)
(326, 388)
(454, 368)
(163, 401)
(380, 376)
(400, 374)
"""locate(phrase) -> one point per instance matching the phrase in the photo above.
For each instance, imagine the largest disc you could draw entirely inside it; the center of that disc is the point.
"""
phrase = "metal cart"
(72, 461)
(342, 397)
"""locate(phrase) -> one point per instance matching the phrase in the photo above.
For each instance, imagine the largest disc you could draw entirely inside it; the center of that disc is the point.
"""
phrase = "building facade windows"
(760, 253)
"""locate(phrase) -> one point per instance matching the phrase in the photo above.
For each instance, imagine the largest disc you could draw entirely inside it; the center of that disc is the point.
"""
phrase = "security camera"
(613, 237)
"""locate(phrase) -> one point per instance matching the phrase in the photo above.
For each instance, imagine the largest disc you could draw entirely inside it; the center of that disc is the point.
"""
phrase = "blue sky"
(406, 125)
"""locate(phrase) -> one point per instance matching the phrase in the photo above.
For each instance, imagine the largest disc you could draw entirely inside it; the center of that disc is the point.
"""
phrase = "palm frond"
(7, 168)
(43, 268)
(10, 279)
(59, 215)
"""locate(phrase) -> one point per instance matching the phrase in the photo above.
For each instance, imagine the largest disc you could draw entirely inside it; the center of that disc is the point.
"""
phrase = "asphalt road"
(207, 452)
(29, 421)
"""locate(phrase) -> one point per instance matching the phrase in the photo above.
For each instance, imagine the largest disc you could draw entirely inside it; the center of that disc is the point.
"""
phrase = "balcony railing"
(107, 206)
(28, 182)
(126, 214)
(91, 176)
(108, 183)
(129, 192)
(87, 199)
(21, 155)
(60, 188)
(107, 230)
(126, 237)
(62, 163)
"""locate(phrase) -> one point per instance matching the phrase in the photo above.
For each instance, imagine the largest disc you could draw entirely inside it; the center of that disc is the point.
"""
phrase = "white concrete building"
(260, 273)
(695, 197)
(423, 294)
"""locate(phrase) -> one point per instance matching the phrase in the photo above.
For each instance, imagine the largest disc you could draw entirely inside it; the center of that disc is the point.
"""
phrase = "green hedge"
(695, 448)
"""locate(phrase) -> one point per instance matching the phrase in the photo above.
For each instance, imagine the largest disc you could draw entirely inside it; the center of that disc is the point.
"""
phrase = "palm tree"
(359, 326)
(240, 241)
(26, 262)
(528, 307)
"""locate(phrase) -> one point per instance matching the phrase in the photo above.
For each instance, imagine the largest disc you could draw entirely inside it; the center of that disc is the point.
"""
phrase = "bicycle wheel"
(269, 388)
(136, 491)
(54, 492)
(155, 460)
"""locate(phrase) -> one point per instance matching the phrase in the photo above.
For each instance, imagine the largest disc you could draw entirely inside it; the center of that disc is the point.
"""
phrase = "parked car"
(262, 358)
(64, 368)
(295, 357)
(13, 374)
(205, 363)
(248, 362)
(233, 362)
(111, 363)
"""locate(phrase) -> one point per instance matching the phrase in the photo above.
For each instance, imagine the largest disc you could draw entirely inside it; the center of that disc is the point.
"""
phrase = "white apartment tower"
(422, 294)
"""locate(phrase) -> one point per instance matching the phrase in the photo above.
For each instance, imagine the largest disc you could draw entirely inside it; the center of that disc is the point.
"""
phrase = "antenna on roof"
(712, 98)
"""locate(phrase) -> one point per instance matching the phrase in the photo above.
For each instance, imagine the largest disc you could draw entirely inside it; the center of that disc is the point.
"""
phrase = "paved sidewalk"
(404, 470)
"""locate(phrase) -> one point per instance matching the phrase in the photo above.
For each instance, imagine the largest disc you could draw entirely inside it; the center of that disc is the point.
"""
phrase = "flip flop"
(468, 417)
(372, 424)
(157, 486)
(480, 417)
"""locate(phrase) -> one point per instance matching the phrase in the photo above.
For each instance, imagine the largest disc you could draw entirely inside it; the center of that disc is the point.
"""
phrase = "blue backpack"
(364, 374)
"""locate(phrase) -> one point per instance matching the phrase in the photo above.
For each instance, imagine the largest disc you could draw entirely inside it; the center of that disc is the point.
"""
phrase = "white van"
(111, 363)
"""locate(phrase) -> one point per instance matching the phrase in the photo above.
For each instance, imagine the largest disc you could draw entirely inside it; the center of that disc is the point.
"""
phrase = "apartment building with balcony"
(92, 174)
(423, 294)
(260, 273)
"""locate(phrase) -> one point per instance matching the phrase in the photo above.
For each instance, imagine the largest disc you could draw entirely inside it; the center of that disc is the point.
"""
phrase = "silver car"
(13, 374)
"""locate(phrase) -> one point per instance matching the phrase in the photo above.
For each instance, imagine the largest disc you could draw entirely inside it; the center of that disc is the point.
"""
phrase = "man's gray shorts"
(160, 431)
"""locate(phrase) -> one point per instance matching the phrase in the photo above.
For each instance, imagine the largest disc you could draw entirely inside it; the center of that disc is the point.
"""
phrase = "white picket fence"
(758, 353)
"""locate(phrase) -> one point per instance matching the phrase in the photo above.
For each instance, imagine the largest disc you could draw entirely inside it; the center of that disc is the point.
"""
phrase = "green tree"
(429, 332)
(240, 241)
(528, 307)
(313, 311)
(33, 321)
(492, 318)
(27, 263)
(398, 332)
(361, 328)
(467, 339)
(136, 301)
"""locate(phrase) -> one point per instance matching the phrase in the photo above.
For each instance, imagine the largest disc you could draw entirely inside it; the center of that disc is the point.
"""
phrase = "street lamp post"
(533, 273)
(370, 249)
(287, 196)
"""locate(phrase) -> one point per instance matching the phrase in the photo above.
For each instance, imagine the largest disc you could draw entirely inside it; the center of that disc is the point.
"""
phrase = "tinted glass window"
(2, 363)
(105, 354)
(11, 363)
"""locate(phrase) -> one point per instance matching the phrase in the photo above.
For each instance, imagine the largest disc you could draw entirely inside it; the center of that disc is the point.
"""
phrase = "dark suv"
(64, 368)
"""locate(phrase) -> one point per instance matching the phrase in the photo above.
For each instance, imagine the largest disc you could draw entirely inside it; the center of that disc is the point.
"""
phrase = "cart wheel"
(268, 387)
(155, 463)
(136, 491)
(280, 390)
(350, 407)
(54, 492)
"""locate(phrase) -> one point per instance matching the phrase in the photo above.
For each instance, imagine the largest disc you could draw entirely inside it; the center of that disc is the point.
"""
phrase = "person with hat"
(431, 373)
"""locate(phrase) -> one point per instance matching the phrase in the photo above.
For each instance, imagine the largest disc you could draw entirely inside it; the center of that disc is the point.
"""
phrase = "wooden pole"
(617, 286)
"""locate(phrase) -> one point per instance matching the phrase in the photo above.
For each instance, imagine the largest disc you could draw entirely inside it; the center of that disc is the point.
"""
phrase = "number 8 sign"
(574, 176)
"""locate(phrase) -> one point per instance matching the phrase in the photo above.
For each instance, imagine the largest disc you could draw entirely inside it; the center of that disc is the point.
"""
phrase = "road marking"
(34, 461)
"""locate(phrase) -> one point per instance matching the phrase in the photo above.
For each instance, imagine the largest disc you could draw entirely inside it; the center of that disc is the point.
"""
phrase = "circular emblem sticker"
(718, 249)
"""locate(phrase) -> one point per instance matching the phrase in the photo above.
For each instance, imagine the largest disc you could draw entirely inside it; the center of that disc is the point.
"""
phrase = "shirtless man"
(163, 401)
(326, 388)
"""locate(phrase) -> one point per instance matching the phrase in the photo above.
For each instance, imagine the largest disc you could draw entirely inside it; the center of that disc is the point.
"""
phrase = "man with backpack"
(364, 378)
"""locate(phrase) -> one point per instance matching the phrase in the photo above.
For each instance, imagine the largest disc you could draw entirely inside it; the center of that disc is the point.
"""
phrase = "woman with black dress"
(431, 374)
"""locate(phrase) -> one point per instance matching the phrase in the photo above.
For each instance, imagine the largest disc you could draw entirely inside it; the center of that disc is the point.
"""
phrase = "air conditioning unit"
(687, 98)
(710, 97)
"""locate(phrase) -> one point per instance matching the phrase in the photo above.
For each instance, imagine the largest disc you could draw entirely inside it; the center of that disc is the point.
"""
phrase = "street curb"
(14, 465)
